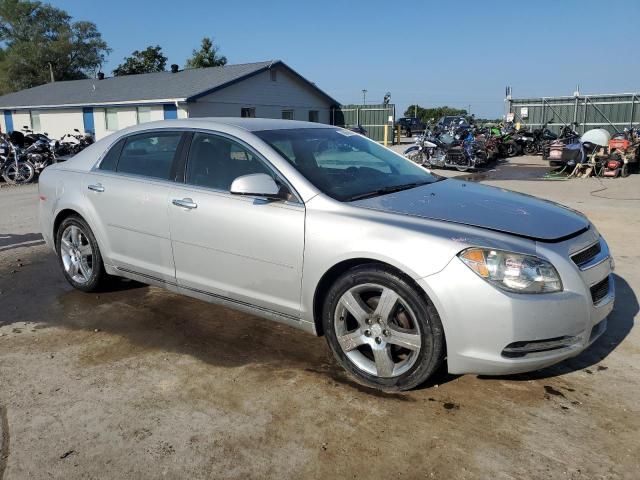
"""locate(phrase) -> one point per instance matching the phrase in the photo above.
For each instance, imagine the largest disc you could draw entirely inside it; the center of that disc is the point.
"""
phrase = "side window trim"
(297, 198)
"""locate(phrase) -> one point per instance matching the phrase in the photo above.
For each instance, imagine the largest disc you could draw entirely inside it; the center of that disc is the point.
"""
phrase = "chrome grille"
(586, 255)
(600, 290)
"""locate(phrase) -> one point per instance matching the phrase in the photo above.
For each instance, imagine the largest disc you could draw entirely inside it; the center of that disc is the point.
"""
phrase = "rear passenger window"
(149, 154)
(110, 160)
(215, 162)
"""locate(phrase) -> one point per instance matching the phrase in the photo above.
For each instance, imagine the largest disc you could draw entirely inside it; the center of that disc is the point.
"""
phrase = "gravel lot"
(141, 383)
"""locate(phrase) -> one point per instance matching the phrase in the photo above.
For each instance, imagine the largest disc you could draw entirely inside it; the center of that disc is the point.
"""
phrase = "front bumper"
(481, 321)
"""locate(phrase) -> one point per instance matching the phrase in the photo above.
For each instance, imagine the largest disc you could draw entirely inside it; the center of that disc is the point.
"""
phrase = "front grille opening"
(600, 290)
(585, 256)
(524, 348)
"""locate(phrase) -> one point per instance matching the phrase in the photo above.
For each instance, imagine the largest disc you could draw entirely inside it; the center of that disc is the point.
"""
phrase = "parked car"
(446, 121)
(410, 125)
(327, 231)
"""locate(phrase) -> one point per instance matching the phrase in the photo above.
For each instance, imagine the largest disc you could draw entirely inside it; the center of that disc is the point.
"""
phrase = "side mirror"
(257, 185)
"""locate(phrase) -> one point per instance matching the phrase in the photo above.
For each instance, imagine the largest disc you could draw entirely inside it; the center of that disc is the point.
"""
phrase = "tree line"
(40, 43)
(435, 113)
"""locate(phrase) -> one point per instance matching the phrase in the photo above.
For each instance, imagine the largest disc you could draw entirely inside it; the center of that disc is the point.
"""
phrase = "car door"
(128, 194)
(245, 249)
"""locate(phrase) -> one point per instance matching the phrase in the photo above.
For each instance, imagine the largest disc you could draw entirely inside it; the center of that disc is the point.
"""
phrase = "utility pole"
(364, 96)
(51, 72)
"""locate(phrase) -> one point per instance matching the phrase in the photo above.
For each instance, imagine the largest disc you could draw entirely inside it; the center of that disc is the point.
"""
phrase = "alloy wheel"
(76, 254)
(377, 330)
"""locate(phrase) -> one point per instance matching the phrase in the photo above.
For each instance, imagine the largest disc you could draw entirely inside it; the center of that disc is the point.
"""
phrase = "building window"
(273, 74)
(35, 120)
(143, 114)
(111, 118)
(314, 116)
(248, 112)
(287, 114)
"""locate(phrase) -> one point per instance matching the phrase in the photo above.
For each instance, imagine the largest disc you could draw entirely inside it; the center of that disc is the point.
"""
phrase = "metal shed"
(611, 111)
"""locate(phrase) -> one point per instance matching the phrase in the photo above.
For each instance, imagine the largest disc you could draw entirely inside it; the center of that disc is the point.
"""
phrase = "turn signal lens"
(513, 272)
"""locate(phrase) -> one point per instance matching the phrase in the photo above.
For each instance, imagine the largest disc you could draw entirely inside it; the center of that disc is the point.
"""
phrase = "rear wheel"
(19, 173)
(624, 171)
(381, 329)
(530, 148)
(79, 255)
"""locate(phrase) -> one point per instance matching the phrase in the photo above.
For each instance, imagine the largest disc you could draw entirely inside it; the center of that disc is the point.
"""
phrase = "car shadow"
(140, 318)
(619, 324)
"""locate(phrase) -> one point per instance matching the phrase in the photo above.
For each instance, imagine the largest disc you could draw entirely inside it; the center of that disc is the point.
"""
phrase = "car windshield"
(345, 165)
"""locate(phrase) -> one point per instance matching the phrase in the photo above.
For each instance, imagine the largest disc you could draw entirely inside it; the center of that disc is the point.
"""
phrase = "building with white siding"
(101, 106)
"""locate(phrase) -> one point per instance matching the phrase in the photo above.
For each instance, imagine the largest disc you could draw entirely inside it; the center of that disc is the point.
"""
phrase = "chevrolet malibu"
(325, 230)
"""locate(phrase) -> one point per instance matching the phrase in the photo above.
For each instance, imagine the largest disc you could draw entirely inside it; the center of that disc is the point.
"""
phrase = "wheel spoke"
(352, 340)
(85, 250)
(404, 339)
(73, 268)
(84, 270)
(386, 304)
(66, 246)
(75, 236)
(354, 307)
(383, 360)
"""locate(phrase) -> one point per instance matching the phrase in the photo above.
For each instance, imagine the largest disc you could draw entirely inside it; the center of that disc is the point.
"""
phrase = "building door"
(87, 120)
(170, 111)
(8, 121)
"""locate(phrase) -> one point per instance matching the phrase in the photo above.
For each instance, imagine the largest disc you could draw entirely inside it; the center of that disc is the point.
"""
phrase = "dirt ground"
(142, 383)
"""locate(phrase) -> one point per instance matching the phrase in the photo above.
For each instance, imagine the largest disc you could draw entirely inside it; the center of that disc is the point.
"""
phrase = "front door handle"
(184, 203)
(96, 188)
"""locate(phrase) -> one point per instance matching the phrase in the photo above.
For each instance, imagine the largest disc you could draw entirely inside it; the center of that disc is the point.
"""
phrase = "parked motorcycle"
(450, 147)
(14, 169)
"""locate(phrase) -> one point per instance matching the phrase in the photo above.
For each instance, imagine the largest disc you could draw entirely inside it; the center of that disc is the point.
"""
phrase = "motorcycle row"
(463, 146)
(24, 154)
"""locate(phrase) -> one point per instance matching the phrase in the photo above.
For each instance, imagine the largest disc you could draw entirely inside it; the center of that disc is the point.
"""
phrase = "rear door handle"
(184, 203)
(96, 188)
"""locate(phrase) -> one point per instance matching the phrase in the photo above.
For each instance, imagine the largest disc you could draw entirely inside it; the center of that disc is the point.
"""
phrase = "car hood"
(485, 207)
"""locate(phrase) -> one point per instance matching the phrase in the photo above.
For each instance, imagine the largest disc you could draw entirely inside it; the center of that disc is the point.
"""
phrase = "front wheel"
(530, 148)
(20, 173)
(381, 329)
(417, 156)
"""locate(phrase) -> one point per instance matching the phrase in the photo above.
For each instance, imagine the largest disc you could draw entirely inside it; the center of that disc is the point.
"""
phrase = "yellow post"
(386, 134)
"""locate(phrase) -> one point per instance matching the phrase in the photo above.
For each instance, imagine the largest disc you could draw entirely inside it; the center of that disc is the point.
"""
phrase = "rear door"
(244, 249)
(129, 194)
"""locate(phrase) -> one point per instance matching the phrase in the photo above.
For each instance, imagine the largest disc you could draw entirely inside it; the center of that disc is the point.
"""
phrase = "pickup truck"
(410, 125)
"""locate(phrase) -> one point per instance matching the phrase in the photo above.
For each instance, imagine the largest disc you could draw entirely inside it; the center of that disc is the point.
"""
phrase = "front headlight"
(513, 272)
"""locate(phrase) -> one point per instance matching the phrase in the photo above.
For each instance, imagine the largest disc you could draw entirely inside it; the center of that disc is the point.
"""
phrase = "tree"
(207, 56)
(37, 39)
(148, 60)
(426, 114)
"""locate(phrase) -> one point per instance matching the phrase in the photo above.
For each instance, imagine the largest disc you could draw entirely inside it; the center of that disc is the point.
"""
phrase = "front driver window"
(215, 162)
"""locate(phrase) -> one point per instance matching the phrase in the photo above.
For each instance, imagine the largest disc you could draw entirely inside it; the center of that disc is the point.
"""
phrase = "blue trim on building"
(170, 111)
(87, 120)
(8, 121)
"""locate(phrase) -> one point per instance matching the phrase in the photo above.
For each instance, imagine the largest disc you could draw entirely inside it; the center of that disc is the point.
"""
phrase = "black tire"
(98, 278)
(408, 133)
(431, 351)
(512, 149)
(624, 170)
(24, 173)
(530, 148)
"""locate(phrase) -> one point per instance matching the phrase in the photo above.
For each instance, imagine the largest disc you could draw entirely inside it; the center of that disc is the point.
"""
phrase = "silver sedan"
(322, 229)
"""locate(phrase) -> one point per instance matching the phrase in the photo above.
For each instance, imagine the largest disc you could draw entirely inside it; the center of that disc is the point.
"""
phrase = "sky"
(460, 54)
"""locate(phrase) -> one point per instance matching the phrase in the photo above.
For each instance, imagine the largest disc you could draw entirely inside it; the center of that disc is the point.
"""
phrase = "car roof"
(249, 124)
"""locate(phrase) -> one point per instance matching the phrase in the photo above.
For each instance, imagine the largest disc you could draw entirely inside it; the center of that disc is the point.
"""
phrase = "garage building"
(101, 106)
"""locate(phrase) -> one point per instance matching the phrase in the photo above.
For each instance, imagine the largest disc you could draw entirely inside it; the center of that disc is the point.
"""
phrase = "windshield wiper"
(386, 190)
